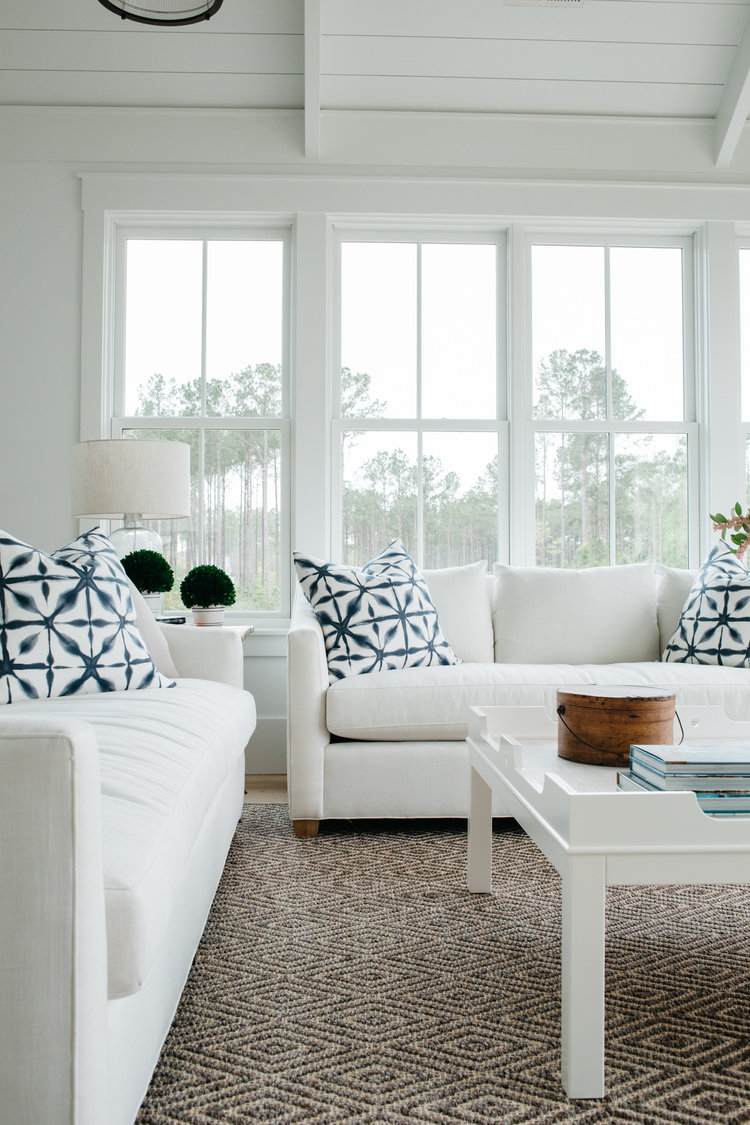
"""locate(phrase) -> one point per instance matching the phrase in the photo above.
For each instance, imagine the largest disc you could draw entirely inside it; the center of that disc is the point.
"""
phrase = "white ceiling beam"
(312, 79)
(735, 103)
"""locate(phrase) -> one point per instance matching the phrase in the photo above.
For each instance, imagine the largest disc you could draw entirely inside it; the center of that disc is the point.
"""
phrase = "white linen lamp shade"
(132, 480)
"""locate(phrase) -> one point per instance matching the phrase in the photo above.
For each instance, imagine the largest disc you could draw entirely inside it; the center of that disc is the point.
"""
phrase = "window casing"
(744, 304)
(201, 355)
(609, 398)
(604, 454)
(419, 404)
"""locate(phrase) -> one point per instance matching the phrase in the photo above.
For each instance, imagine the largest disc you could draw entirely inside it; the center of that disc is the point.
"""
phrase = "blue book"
(713, 802)
(694, 760)
(700, 782)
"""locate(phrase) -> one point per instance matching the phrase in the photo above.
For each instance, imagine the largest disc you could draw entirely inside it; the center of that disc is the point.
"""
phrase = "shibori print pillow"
(714, 625)
(375, 618)
(67, 622)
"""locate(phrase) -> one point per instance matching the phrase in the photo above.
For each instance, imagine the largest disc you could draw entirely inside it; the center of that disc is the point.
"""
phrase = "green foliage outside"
(572, 508)
(241, 481)
(573, 511)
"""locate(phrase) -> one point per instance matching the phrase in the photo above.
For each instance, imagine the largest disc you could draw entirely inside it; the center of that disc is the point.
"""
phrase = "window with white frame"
(420, 419)
(744, 253)
(612, 399)
(202, 327)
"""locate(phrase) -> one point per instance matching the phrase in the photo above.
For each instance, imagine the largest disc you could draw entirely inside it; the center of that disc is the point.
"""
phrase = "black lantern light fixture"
(164, 13)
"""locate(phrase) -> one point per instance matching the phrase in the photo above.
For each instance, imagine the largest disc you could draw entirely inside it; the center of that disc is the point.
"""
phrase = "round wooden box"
(597, 725)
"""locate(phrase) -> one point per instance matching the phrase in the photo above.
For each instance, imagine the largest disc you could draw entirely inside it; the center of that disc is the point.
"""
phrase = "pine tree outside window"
(420, 426)
(202, 357)
(612, 408)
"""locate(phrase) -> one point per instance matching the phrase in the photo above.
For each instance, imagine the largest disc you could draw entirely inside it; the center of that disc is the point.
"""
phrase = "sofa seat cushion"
(164, 756)
(694, 685)
(418, 704)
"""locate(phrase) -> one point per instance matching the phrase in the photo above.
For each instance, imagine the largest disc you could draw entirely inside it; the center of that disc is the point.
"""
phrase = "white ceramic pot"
(154, 603)
(208, 614)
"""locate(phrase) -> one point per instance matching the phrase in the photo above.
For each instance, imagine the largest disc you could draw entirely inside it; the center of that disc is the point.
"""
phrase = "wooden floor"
(265, 788)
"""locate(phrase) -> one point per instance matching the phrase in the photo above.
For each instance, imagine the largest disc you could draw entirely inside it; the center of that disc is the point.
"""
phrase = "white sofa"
(116, 814)
(391, 744)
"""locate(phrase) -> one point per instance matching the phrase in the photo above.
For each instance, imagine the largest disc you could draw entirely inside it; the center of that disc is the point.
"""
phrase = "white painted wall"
(40, 317)
(255, 163)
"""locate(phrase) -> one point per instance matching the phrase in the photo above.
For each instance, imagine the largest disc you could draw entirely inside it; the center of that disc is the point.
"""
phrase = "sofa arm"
(53, 959)
(207, 653)
(307, 734)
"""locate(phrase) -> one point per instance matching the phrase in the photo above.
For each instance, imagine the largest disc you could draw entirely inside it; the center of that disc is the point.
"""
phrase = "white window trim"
(103, 397)
(527, 427)
(447, 234)
(743, 243)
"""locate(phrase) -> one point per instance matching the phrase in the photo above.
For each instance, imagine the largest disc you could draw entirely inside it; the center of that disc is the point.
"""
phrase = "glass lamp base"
(135, 538)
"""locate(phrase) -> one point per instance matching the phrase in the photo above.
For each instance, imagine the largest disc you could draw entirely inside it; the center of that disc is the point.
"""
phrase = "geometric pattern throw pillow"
(67, 622)
(714, 626)
(377, 617)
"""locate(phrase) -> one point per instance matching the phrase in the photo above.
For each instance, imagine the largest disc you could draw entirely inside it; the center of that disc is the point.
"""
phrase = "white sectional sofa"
(116, 814)
(391, 744)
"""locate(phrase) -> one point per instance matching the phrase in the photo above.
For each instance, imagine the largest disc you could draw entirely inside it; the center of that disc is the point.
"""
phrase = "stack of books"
(718, 775)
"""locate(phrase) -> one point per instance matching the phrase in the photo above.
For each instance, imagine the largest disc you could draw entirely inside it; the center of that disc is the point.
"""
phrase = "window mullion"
(204, 324)
(609, 404)
(420, 444)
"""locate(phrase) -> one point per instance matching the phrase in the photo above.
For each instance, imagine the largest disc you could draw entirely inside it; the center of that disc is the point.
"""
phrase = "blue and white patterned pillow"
(67, 622)
(714, 626)
(376, 618)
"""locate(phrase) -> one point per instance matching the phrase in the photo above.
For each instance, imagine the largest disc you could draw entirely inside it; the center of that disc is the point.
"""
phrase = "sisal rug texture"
(352, 979)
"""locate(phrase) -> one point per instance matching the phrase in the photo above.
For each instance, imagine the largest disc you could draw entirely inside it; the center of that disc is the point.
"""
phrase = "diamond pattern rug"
(351, 978)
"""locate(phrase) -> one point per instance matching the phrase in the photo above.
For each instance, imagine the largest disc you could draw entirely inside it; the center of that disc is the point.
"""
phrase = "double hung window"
(419, 429)
(612, 401)
(202, 357)
(744, 252)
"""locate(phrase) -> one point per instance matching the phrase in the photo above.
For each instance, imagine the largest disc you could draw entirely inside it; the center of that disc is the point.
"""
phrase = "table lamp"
(132, 480)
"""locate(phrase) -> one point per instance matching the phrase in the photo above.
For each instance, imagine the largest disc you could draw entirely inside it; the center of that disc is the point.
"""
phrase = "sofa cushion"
(714, 626)
(673, 584)
(376, 617)
(597, 616)
(164, 756)
(419, 704)
(151, 634)
(67, 622)
(461, 595)
(422, 704)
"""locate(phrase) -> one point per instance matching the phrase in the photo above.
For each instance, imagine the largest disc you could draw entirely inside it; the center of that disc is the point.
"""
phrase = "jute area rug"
(352, 978)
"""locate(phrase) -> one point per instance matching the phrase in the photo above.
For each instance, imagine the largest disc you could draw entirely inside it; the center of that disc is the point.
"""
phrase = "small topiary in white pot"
(151, 575)
(207, 590)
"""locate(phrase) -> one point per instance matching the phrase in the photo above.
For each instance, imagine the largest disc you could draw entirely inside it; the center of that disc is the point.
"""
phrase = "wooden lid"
(614, 697)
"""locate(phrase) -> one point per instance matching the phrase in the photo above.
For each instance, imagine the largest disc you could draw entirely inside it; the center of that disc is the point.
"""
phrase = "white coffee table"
(596, 836)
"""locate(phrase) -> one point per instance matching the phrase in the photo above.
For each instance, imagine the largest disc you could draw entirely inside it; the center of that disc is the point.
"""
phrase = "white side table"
(208, 652)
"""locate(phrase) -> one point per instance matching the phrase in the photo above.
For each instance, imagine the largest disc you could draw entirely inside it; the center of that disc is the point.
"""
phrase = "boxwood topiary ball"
(149, 572)
(207, 585)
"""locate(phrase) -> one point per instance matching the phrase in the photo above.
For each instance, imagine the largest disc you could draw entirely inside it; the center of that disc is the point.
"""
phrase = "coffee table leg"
(479, 865)
(583, 895)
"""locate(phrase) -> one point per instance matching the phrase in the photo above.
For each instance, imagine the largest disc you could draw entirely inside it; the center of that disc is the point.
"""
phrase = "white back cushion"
(461, 596)
(153, 638)
(601, 615)
(672, 588)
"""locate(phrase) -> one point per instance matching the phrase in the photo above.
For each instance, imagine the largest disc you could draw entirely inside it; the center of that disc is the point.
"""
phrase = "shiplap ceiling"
(609, 58)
